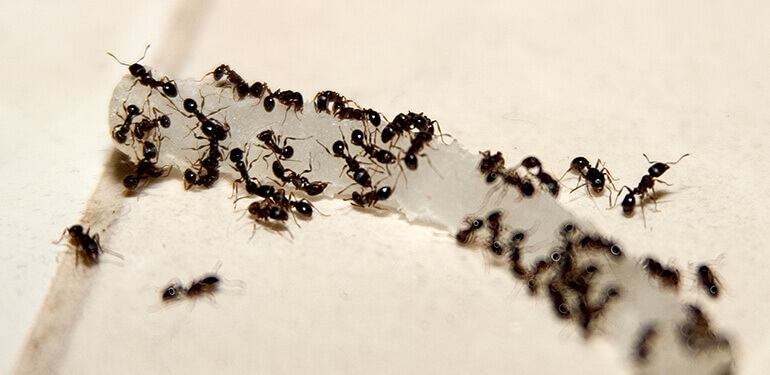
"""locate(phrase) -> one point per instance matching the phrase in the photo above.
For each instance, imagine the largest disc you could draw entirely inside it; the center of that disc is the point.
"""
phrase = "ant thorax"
(590, 279)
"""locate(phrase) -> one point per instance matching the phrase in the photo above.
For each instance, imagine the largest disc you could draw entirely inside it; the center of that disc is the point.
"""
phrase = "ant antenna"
(124, 64)
(677, 161)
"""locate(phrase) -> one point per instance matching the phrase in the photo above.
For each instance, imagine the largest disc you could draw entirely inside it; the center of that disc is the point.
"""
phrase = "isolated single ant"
(240, 85)
(595, 178)
(370, 198)
(667, 277)
(271, 140)
(646, 185)
(144, 76)
(708, 281)
(324, 98)
(145, 168)
(120, 132)
(86, 245)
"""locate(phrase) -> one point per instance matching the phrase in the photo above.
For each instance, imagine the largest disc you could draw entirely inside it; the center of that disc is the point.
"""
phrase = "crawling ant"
(271, 140)
(708, 281)
(370, 199)
(594, 177)
(406, 123)
(265, 210)
(145, 168)
(354, 170)
(120, 132)
(647, 183)
(288, 98)
(144, 76)
(348, 113)
(551, 184)
(207, 284)
(323, 98)
(667, 277)
(191, 106)
(147, 125)
(464, 235)
(86, 245)
(236, 156)
(241, 87)
(300, 182)
(358, 138)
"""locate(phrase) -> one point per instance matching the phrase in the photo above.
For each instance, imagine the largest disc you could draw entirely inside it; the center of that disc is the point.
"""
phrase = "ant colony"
(282, 150)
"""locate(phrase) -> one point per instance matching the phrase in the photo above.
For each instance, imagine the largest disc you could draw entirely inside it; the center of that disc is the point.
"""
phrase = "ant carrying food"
(144, 77)
(324, 98)
(646, 185)
(86, 245)
(120, 132)
(240, 85)
(145, 168)
(708, 281)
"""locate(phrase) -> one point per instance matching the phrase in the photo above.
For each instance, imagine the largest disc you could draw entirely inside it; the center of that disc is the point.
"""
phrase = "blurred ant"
(708, 281)
(86, 245)
(144, 77)
(240, 85)
(207, 284)
(145, 168)
(643, 345)
(324, 98)
(271, 140)
(647, 183)
(464, 236)
(594, 177)
(120, 132)
(370, 198)
(495, 226)
(491, 163)
(300, 182)
(667, 277)
(556, 293)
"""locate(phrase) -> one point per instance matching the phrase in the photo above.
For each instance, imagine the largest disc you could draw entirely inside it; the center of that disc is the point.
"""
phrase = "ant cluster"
(577, 274)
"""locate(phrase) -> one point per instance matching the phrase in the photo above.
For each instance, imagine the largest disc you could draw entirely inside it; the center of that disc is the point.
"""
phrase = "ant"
(280, 198)
(144, 76)
(493, 222)
(207, 284)
(464, 236)
(348, 113)
(358, 138)
(120, 132)
(236, 156)
(323, 98)
(241, 87)
(257, 89)
(191, 106)
(86, 245)
(300, 182)
(491, 163)
(416, 146)
(145, 168)
(667, 277)
(647, 183)
(594, 177)
(359, 174)
(708, 281)
(370, 199)
(147, 125)
(271, 140)
(288, 98)
(265, 210)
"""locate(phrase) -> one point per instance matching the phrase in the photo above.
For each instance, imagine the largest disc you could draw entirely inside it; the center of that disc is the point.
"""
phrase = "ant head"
(75, 230)
(579, 163)
(236, 155)
(190, 176)
(518, 237)
(388, 133)
(338, 148)
(257, 89)
(477, 223)
(321, 102)
(657, 169)
(220, 71)
(527, 189)
(132, 110)
(190, 105)
(629, 201)
(254, 208)
(265, 135)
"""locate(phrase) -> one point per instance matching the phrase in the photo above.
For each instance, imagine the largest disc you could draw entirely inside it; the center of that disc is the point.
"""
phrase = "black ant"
(358, 138)
(464, 236)
(145, 168)
(300, 182)
(288, 98)
(491, 163)
(667, 277)
(551, 184)
(323, 98)
(236, 156)
(265, 210)
(279, 197)
(120, 132)
(147, 125)
(370, 199)
(708, 281)
(419, 141)
(257, 89)
(354, 170)
(86, 245)
(144, 76)
(348, 113)
(241, 87)
(207, 284)
(647, 183)
(191, 106)
(271, 140)
(594, 177)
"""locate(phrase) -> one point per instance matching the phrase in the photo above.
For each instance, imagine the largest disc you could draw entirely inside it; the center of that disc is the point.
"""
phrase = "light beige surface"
(596, 79)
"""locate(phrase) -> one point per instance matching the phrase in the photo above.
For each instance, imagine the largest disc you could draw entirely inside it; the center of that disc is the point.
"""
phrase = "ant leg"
(580, 186)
